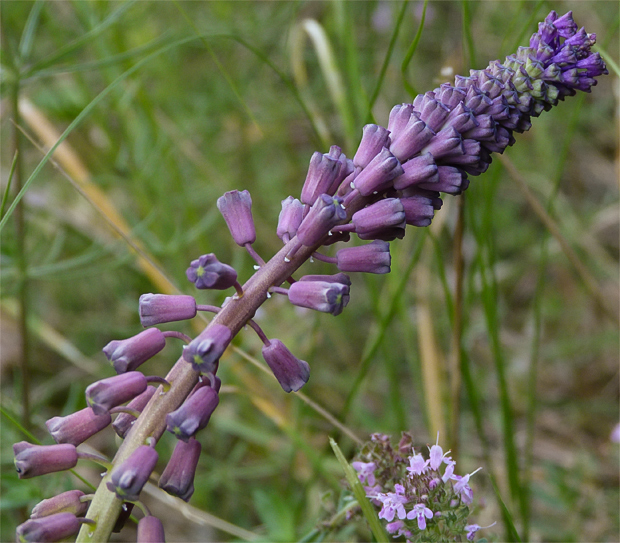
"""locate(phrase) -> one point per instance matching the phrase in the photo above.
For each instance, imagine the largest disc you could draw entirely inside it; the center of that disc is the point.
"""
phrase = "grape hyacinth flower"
(67, 502)
(150, 530)
(51, 528)
(77, 427)
(432, 145)
(178, 477)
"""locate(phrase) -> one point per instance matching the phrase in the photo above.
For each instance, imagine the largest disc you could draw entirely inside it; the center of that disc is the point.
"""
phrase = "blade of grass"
(7, 190)
(26, 40)
(467, 34)
(360, 495)
(411, 51)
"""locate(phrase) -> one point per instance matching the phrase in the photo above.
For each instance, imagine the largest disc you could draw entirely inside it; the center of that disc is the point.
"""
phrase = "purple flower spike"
(374, 138)
(322, 173)
(161, 308)
(53, 528)
(384, 220)
(178, 477)
(124, 421)
(236, 208)
(150, 530)
(103, 395)
(290, 218)
(34, 460)
(128, 478)
(194, 414)
(370, 258)
(205, 350)
(207, 272)
(291, 372)
(419, 210)
(328, 297)
(378, 174)
(67, 502)
(129, 354)
(326, 213)
(77, 427)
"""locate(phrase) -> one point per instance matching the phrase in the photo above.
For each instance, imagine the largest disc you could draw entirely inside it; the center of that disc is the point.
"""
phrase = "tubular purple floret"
(327, 297)
(178, 477)
(34, 460)
(207, 272)
(51, 528)
(150, 530)
(162, 308)
(374, 139)
(205, 350)
(102, 395)
(370, 258)
(67, 502)
(384, 219)
(325, 213)
(129, 354)
(291, 372)
(323, 171)
(77, 427)
(290, 218)
(236, 208)
(194, 414)
(129, 477)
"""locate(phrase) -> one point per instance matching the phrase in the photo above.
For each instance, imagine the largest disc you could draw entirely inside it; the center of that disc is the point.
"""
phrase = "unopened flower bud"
(236, 208)
(322, 172)
(445, 144)
(124, 421)
(419, 210)
(328, 297)
(52, 528)
(411, 139)
(129, 354)
(326, 213)
(291, 372)
(374, 138)
(128, 479)
(207, 272)
(161, 308)
(102, 395)
(378, 174)
(194, 414)
(399, 117)
(290, 218)
(67, 502)
(205, 350)
(150, 530)
(370, 258)
(77, 427)
(178, 477)
(34, 460)
(384, 220)
(449, 180)
(419, 169)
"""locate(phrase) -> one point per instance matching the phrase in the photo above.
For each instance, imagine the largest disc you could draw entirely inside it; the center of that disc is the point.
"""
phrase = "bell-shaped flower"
(150, 530)
(124, 421)
(207, 272)
(449, 180)
(383, 220)
(178, 477)
(419, 210)
(370, 258)
(420, 169)
(374, 139)
(378, 175)
(105, 394)
(77, 427)
(236, 208)
(129, 354)
(34, 460)
(328, 297)
(129, 477)
(194, 414)
(161, 308)
(56, 527)
(67, 502)
(322, 172)
(205, 350)
(290, 218)
(291, 372)
(326, 212)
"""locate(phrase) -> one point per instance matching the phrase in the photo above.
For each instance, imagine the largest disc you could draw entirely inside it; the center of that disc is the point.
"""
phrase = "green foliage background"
(228, 107)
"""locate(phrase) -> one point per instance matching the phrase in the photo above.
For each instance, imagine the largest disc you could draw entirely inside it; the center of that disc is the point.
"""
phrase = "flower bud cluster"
(419, 498)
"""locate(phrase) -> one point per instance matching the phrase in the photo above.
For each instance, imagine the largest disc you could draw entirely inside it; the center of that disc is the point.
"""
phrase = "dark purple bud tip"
(326, 213)
(128, 479)
(194, 413)
(77, 427)
(290, 372)
(53, 528)
(236, 208)
(178, 477)
(34, 460)
(207, 272)
(290, 218)
(102, 395)
(205, 350)
(370, 258)
(129, 354)
(150, 530)
(161, 308)
(374, 138)
(328, 297)
(124, 421)
(67, 502)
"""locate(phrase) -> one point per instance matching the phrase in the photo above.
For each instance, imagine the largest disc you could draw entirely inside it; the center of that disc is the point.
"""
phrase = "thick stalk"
(105, 506)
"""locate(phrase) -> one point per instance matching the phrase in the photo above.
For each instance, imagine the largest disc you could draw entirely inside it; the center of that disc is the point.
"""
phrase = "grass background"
(238, 98)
